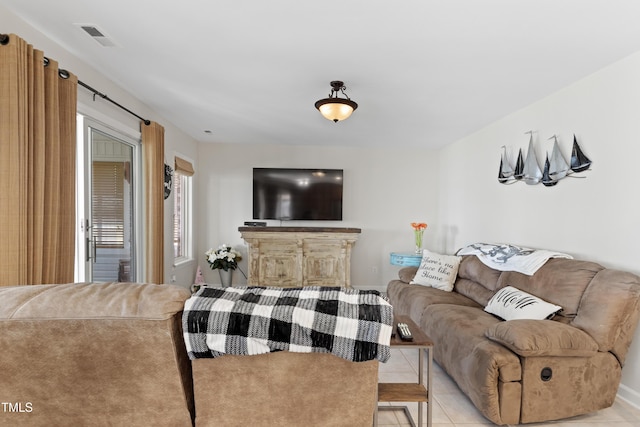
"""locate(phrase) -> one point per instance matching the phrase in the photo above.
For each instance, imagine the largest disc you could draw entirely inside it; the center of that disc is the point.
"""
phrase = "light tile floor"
(452, 408)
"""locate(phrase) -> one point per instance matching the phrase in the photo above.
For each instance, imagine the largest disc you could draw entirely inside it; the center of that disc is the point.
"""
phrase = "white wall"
(175, 140)
(595, 218)
(455, 190)
(384, 191)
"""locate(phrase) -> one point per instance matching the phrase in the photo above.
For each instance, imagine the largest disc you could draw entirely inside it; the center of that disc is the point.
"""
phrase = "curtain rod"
(103, 96)
(4, 39)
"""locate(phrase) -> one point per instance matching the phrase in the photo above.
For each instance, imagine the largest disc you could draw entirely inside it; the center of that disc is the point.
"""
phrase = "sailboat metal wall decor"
(547, 180)
(532, 172)
(506, 172)
(555, 166)
(519, 172)
(579, 162)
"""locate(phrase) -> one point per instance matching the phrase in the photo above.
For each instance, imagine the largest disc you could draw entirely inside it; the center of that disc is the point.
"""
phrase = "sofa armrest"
(406, 274)
(542, 338)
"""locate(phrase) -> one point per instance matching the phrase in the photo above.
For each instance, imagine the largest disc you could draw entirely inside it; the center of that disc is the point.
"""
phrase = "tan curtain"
(153, 169)
(37, 167)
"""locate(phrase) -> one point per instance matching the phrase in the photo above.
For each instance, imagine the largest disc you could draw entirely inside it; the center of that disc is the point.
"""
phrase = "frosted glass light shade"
(336, 109)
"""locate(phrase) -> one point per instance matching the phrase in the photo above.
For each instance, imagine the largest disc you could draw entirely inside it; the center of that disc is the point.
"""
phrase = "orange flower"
(418, 225)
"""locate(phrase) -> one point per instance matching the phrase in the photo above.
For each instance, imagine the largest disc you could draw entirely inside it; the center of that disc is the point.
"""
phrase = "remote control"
(404, 332)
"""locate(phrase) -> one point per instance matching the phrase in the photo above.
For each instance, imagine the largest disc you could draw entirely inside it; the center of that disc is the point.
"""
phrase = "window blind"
(108, 204)
(184, 167)
(178, 217)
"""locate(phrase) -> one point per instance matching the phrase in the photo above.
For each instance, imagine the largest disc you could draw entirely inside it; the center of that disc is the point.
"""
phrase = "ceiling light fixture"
(334, 108)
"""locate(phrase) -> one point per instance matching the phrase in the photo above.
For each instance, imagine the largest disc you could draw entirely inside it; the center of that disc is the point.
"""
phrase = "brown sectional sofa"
(114, 354)
(524, 371)
(94, 355)
(285, 389)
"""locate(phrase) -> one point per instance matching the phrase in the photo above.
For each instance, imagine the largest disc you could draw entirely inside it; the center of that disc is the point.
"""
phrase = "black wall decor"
(168, 180)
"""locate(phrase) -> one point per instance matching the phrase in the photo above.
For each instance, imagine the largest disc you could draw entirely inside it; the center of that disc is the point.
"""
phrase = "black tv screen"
(297, 194)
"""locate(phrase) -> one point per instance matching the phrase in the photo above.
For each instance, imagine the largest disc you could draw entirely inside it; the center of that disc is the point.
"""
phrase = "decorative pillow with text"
(511, 303)
(437, 271)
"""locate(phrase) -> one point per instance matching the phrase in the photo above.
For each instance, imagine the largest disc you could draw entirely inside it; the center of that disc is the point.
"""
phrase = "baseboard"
(629, 395)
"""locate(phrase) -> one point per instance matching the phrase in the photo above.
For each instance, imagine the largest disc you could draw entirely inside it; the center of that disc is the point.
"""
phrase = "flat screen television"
(297, 194)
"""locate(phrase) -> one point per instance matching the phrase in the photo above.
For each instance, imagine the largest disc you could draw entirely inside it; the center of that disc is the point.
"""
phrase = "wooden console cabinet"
(299, 256)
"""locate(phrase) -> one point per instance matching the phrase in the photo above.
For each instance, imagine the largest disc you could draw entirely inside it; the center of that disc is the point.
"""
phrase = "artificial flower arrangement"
(418, 231)
(225, 258)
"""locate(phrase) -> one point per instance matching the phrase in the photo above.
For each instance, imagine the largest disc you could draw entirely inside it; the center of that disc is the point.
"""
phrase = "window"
(182, 247)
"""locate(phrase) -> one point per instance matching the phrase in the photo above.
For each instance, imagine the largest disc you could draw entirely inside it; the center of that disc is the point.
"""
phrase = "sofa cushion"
(510, 303)
(542, 338)
(476, 280)
(609, 311)
(413, 299)
(473, 269)
(92, 301)
(437, 271)
(559, 281)
(462, 348)
(473, 290)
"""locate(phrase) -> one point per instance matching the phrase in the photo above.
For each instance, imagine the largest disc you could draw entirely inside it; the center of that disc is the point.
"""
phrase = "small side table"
(406, 259)
(410, 392)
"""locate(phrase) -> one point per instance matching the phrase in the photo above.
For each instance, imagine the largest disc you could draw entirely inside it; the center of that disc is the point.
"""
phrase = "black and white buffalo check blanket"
(352, 324)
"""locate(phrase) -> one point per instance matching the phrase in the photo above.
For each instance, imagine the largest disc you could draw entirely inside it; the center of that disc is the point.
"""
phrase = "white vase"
(226, 277)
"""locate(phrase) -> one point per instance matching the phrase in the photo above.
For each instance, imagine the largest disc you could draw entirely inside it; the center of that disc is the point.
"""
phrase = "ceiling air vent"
(97, 34)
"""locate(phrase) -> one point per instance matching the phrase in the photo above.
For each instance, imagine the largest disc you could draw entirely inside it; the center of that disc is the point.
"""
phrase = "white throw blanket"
(353, 324)
(511, 258)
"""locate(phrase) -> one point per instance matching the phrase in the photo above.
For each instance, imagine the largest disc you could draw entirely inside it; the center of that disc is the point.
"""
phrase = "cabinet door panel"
(279, 271)
(324, 262)
(279, 264)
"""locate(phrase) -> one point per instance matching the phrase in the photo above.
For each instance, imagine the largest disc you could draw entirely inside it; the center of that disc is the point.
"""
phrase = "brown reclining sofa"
(524, 371)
